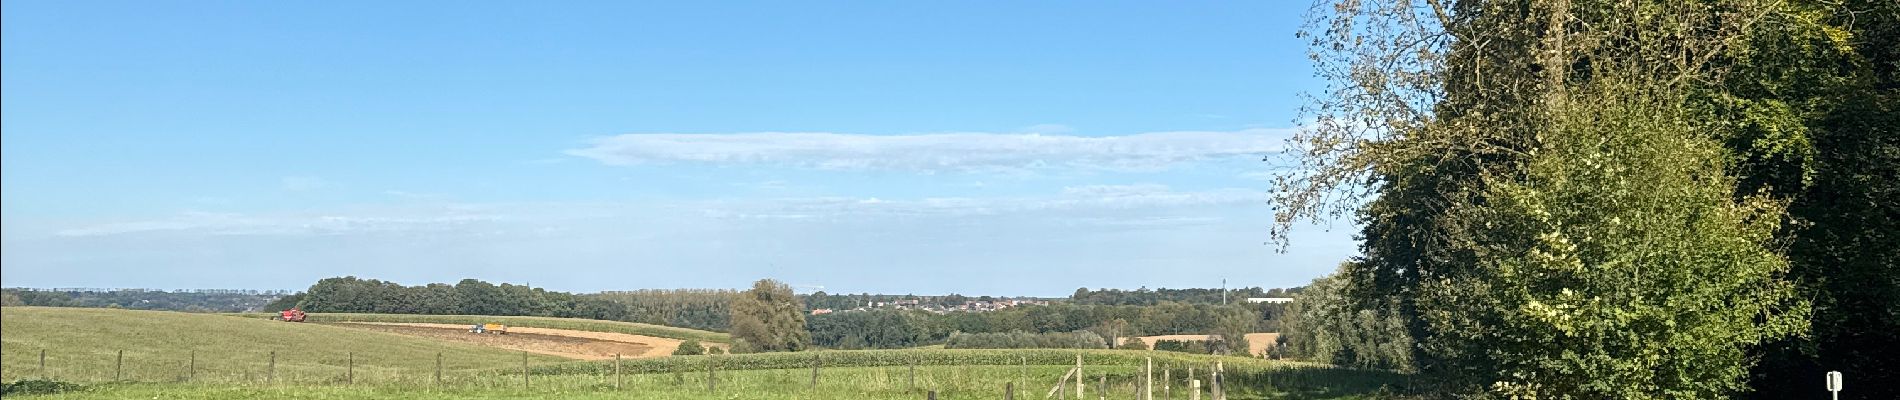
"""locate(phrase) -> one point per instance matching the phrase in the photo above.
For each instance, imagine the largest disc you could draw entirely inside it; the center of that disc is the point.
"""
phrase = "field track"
(575, 344)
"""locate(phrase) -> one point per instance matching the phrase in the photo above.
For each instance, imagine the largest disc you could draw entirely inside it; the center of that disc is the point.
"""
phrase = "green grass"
(233, 351)
(950, 382)
(578, 324)
(82, 345)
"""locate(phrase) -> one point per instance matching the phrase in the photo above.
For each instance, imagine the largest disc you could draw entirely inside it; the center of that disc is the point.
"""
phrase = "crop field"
(631, 328)
(318, 361)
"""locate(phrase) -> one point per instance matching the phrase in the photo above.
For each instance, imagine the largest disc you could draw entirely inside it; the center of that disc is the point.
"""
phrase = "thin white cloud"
(244, 225)
(939, 152)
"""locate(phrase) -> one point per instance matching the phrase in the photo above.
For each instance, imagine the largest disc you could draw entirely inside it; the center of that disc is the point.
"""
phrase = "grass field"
(82, 345)
(232, 351)
(538, 322)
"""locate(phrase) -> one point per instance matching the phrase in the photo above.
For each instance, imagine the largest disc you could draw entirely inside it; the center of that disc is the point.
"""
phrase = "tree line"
(908, 328)
(135, 299)
(1605, 199)
(1148, 297)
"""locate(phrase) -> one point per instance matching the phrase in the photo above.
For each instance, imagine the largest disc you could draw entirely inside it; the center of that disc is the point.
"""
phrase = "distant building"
(821, 311)
(1273, 300)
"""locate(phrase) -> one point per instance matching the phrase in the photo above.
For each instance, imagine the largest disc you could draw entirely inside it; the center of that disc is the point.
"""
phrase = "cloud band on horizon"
(934, 152)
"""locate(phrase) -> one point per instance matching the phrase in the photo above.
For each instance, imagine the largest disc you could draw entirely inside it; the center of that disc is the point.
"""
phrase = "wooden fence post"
(349, 376)
(43, 364)
(1078, 376)
(191, 367)
(438, 369)
(1167, 384)
(1219, 390)
(1101, 389)
(709, 375)
(911, 385)
(616, 371)
(524, 370)
(1148, 380)
(814, 370)
(1009, 390)
(270, 376)
(118, 369)
(1194, 388)
(931, 396)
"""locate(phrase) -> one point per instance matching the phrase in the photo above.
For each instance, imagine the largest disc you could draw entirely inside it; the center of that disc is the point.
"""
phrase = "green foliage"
(1324, 325)
(883, 329)
(38, 386)
(703, 309)
(1149, 297)
(138, 299)
(1133, 343)
(768, 318)
(1025, 340)
(689, 348)
(1183, 346)
(469, 297)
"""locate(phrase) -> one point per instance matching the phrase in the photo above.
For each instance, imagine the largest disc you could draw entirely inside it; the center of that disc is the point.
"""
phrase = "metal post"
(118, 369)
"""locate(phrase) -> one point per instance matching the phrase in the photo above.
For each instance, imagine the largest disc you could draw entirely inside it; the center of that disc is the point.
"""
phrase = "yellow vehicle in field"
(491, 327)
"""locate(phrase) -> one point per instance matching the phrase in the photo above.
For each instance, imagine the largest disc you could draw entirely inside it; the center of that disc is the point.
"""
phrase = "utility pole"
(1223, 291)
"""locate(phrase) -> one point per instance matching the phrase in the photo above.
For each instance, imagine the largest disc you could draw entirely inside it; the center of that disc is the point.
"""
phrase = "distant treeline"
(907, 328)
(207, 300)
(697, 309)
(1148, 297)
(1025, 340)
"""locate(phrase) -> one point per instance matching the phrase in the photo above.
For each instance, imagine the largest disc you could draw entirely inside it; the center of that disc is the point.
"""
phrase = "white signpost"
(1834, 384)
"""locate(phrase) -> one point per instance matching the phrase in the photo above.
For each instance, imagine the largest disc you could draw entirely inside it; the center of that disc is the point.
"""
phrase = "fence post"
(931, 396)
(524, 370)
(349, 375)
(616, 371)
(911, 386)
(1194, 388)
(1078, 375)
(438, 369)
(1167, 384)
(270, 376)
(815, 362)
(191, 367)
(1101, 389)
(1219, 390)
(710, 387)
(1009, 391)
(118, 369)
(1148, 380)
(43, 364)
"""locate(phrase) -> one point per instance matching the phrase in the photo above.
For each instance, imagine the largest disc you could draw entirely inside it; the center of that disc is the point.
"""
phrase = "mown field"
(83, 345)
(632, 328)
(397, 367)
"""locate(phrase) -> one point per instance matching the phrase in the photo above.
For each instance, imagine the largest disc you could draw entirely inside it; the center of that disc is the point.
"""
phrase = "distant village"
(914, 304)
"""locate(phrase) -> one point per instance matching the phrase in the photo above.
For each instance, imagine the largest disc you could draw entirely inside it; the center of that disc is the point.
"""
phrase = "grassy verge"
(537, 322)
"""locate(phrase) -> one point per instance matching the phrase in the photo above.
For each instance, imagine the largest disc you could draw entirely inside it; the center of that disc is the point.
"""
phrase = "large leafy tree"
(768, 318)
(1570, 198)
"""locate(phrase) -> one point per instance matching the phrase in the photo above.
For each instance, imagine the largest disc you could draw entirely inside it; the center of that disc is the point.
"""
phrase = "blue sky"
(860, 146)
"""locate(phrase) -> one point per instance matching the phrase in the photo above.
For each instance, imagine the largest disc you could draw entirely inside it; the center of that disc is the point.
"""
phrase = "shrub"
(689, 348)
(1133, 343)
(37, 386)
(1183, 346)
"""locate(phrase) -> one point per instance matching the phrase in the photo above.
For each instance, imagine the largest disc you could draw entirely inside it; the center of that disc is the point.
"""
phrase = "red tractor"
(291, 315)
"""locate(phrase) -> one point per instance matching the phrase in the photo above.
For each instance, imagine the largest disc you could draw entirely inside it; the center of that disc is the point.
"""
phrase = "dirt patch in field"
(584, 345)
(1257, 343)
